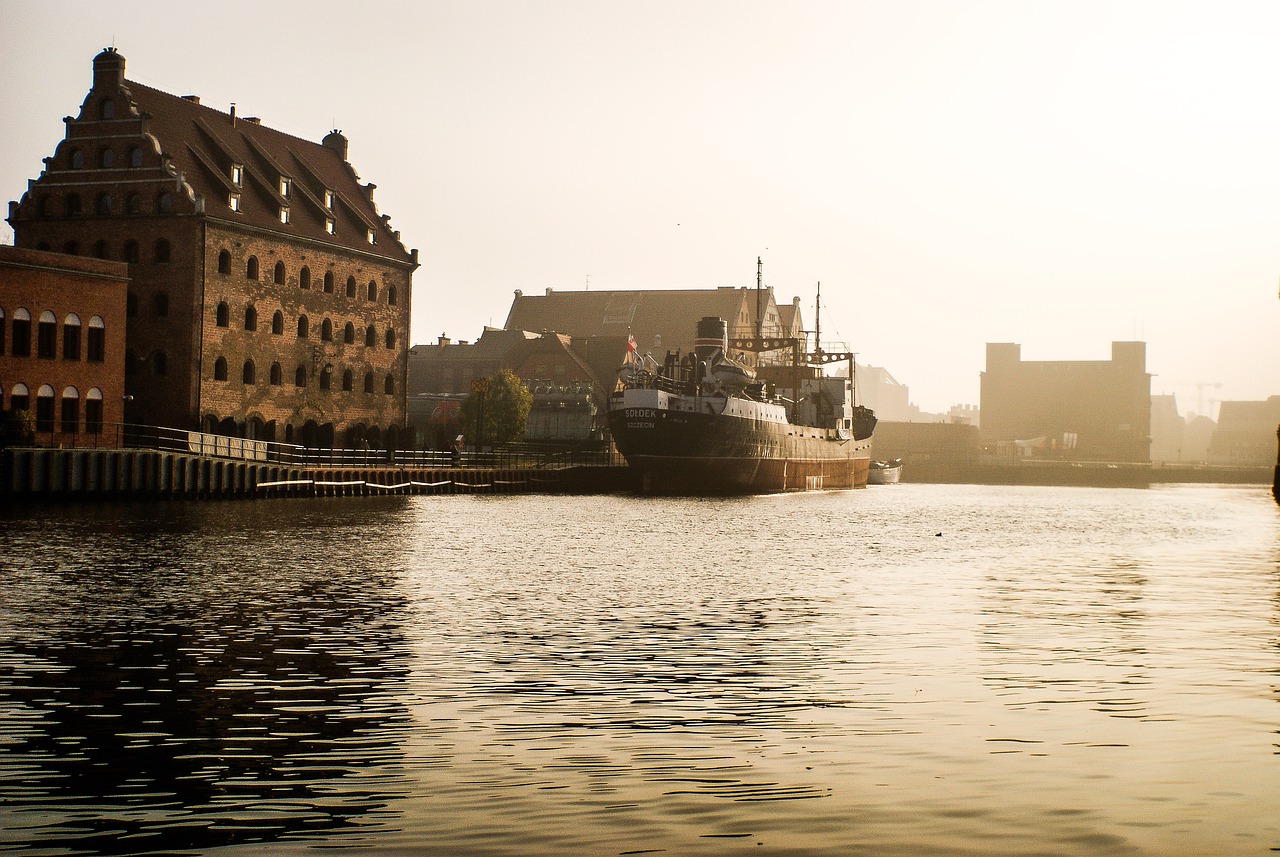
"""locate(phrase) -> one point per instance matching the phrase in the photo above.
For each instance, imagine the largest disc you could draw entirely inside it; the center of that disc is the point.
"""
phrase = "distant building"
(62, 326)
(1246, 433)
(1168, 431)
(1087, 410)
(268, 298)
(660, 320)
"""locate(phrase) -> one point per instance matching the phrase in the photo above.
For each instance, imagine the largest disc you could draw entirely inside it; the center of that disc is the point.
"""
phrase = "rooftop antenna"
(588, 282)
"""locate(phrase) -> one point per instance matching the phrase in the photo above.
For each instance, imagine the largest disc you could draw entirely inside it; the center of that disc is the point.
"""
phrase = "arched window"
(160, 364)
(351, 287)
(71, 248)
(388, 385)
(76, 159)
(346, 380)
(373, 290)
(100, 250)
(251, 268)
(304, 278)
(349, 333)
(224, 262)
(130, 251)
(326, 330)
(222, 317)
(328, 282)
(107, 109)
(70, 337)
(250, 318)
(47, 336)
(135, 157)
(391, 338)
(132, 203)
(248, 374)
(93, 411)
(44, 408)
(391, 295)
(70, 422)
(72, 203)
(304, 327)
(106, 159)
(164, 202)
(160, 304)
(370, 336)
(220, 369)
(131, 304)
(277, 323)
(278, 275)
(131, 363)
(95, 343)
(21, 333)
(103, 203)
(368, 382)
(300, 376)
(277, 376)
(162, 251)
(20, 398)
(42, 205)
(326, 376)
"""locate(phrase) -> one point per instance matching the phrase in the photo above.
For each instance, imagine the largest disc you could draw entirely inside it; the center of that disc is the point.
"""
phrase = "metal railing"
(514, 456)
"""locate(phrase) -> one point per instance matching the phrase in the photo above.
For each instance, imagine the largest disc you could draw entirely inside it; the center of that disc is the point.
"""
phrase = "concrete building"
(62, 343)
(1086, 410)
(268, 297)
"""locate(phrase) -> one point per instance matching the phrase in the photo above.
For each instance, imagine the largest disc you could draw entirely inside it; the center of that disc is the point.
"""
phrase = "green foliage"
(506, 410)
(16, 429)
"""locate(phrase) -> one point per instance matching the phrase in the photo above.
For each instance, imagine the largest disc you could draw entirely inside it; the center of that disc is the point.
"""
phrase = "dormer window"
(286, 185)
(328, 200)
(237, 175)
(328, 225)
(284, 214)
(369, 236)
(233, 200)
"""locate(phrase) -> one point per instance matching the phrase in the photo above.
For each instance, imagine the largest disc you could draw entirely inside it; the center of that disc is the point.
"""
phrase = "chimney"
(194, 99)
(108, 71)
(444, 340)
(233, 114)
(336, 142)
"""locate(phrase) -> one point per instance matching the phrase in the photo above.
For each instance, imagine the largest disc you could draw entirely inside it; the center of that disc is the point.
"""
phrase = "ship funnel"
(713, 336)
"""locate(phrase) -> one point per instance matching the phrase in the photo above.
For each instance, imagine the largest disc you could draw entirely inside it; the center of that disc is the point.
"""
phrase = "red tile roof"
(203, 143)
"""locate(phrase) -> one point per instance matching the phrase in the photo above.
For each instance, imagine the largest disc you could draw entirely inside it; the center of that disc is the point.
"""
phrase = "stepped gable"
(203, 143)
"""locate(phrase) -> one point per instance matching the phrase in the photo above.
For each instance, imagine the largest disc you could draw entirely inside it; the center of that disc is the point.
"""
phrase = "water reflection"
(170, 683)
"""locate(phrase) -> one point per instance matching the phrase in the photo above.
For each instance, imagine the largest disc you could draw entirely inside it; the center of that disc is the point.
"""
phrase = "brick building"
(268, 297)
(62, 324)
(1085, 410)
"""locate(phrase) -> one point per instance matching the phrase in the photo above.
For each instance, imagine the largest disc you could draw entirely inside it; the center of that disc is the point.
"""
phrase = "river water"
(905, 670)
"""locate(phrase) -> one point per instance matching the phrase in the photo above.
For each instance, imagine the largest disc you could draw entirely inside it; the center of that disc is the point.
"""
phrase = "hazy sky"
(1058, 174)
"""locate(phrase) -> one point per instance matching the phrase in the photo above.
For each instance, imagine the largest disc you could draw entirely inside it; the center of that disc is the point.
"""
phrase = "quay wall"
(87, 474)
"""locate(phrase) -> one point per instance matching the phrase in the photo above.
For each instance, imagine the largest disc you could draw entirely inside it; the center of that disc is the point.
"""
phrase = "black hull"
(680, 452)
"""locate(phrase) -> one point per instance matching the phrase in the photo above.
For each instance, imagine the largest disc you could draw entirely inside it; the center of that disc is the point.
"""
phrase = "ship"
(710, 423)
(885, 472)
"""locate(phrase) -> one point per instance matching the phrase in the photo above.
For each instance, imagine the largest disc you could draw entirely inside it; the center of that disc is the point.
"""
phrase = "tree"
(506, 410)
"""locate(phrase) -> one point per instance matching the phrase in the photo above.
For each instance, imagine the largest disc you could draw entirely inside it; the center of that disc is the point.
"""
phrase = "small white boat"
(885, 472)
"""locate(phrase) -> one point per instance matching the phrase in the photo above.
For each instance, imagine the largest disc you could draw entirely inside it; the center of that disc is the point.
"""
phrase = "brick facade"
(187, 196)
(73, 296)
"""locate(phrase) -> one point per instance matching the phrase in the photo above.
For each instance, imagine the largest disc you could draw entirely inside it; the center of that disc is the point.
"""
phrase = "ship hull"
(704, 452)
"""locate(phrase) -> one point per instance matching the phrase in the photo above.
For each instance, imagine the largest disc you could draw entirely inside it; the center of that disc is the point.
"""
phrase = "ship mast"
(759, 298)
(817, 321)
